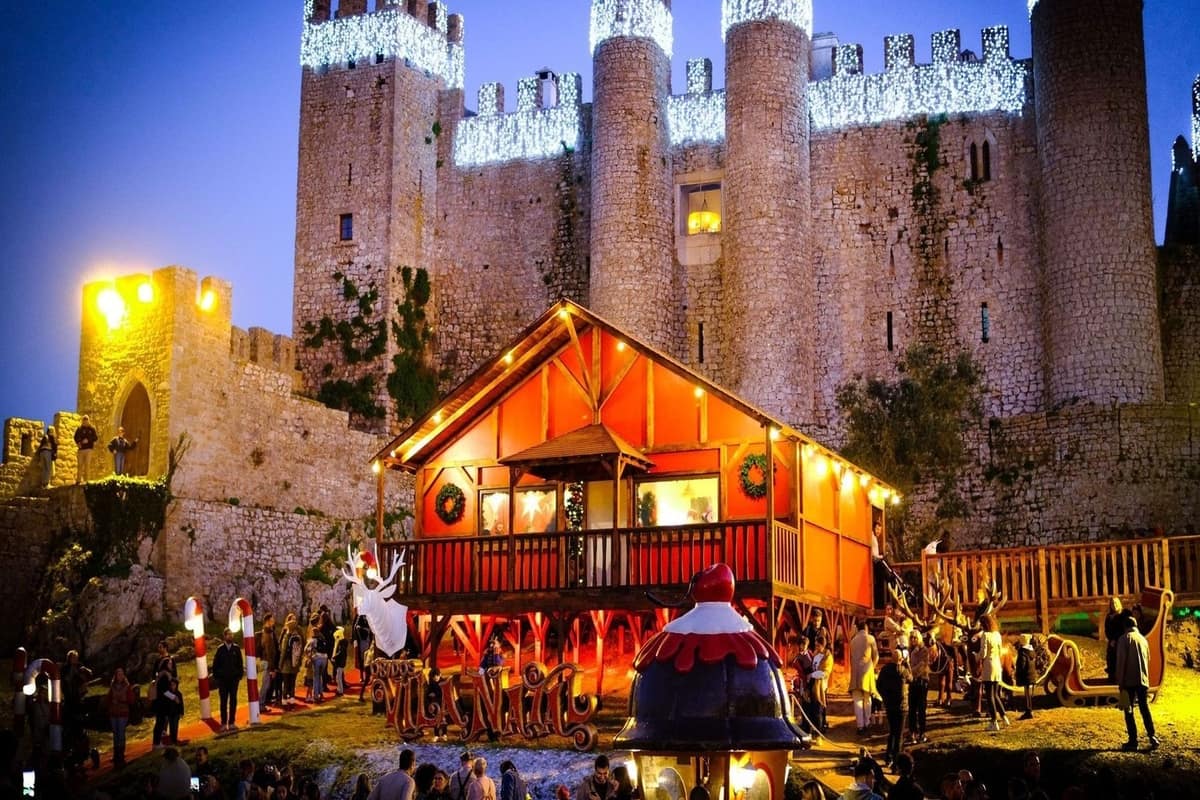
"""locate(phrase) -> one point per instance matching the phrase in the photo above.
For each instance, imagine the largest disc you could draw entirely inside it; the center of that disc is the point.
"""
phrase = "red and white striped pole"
(50, 669)
(193, 620)
(241, 615)
(18, 676)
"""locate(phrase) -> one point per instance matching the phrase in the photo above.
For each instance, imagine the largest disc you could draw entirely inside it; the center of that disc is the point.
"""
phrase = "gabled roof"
(536, 345)
(579, 455)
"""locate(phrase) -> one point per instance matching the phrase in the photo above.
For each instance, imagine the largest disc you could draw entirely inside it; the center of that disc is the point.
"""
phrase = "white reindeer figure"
(388, 619)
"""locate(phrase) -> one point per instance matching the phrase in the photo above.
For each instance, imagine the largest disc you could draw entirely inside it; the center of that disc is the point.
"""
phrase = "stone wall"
(1084, 473)
(930, 247)
(1179, 288)
(211, 549)
(28, 529)
(513, 240)
(219, 552)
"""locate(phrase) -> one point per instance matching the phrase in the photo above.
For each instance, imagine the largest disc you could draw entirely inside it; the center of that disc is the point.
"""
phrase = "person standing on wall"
(85, 440)
(47, 453)
(119, 446)
(227, 671)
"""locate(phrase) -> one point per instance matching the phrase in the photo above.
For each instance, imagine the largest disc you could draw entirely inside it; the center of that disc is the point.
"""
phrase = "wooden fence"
(1063, 579)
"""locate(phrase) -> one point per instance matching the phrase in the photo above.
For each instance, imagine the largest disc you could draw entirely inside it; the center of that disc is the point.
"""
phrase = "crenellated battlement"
(699, 115)
(269, 350)
(168, 298)
(547, 120)
(423, 34)
(956, 82)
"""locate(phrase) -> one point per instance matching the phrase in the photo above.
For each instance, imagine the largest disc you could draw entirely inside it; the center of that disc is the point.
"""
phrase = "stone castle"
(801, 227)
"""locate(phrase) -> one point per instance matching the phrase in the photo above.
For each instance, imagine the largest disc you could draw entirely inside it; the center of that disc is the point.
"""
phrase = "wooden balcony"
(594, 569)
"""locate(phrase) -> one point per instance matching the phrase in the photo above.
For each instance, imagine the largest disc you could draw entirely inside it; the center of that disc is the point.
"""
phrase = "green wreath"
(754, 489)
(451, 503)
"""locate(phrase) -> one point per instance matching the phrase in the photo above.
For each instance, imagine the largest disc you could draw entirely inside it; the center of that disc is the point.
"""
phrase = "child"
(307, 678)
(339, 660)
(1027, 674)
(818, 681)
(173, 703)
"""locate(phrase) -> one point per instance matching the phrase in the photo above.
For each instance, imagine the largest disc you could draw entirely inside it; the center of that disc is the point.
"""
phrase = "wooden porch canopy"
(588, 454)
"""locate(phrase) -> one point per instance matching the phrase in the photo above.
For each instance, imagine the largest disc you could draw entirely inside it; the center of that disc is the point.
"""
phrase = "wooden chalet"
(630, 473)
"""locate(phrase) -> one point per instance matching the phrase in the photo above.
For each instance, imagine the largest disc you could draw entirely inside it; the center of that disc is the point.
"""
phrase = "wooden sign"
(547, 702)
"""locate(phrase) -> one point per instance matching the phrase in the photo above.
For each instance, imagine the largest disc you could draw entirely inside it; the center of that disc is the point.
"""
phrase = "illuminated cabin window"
(702, 204)
(678, 501)
(537, 511)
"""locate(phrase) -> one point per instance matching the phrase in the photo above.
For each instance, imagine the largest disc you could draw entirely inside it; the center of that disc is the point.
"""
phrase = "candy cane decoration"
(50, 669)
(241, 615)
(18, 675)
(193, 620)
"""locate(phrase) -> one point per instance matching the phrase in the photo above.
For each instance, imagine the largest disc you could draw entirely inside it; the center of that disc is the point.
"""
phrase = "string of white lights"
(699, 76)
(797, 12)
(1032, 5)
(1196, 118)
(947, 88)
(642, 19)
(694, 118)
(529, 134)
(390, 33)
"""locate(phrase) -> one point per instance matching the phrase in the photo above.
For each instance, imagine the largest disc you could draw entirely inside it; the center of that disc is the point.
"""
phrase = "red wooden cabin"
(631, 473)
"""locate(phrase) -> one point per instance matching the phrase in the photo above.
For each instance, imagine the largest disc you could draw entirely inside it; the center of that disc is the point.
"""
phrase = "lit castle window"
(704, 208)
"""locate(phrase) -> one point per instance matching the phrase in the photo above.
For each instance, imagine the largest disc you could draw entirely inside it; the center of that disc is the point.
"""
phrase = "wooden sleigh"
(1063, 678)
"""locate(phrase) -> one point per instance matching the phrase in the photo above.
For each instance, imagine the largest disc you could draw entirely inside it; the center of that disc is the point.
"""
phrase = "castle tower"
(631, 230)
(767, 335)
(370, 143)
(1101, 317)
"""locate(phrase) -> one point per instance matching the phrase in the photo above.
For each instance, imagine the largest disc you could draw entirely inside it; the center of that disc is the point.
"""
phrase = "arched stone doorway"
(135, 419)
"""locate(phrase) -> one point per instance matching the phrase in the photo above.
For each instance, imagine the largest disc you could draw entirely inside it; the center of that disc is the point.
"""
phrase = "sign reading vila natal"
(475, 705)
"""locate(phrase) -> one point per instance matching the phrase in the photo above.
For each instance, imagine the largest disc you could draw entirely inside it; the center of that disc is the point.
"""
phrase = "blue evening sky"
(137, 134)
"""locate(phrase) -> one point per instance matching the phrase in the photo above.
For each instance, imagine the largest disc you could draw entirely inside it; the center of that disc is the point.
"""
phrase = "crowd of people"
(871, 783)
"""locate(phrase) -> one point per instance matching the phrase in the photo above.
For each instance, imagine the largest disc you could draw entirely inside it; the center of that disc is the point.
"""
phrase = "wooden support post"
(379, 486)
(1043, 593)
(1165, 582)
(513, 477)
(769, 477)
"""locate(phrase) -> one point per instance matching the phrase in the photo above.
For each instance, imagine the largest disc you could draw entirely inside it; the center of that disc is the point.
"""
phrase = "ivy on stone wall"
(361, 338)
(124, 511)
(934, 313)
(567, 274)
(413, 382)
(910, 432)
